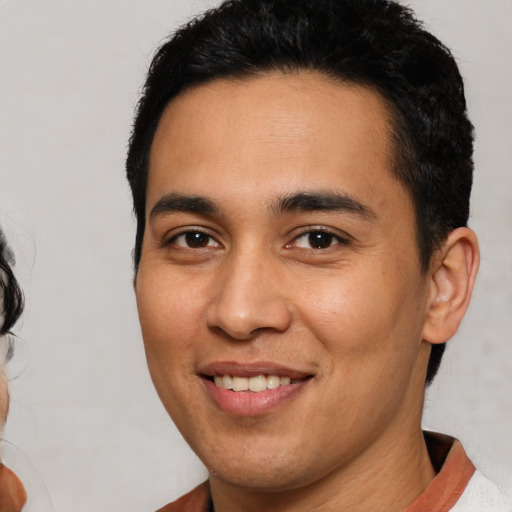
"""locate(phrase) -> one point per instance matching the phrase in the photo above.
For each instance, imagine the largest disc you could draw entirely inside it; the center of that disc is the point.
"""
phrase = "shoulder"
(482, 495)
(196, 500)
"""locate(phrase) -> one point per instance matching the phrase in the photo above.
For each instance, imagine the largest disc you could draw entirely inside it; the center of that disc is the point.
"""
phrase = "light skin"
(4, 399)
(278, 240)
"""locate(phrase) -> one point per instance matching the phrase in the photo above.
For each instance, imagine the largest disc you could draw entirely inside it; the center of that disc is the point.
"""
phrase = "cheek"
(369, 342)
(362, 313)
(157, 300)
(170, 314)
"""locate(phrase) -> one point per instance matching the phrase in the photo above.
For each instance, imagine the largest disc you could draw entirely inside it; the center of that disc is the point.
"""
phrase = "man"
(301, 174)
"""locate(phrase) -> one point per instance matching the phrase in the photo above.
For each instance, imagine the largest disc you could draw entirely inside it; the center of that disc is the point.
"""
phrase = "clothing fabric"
(197, 500)
(12, 493)
(481, 495)
(458, 486)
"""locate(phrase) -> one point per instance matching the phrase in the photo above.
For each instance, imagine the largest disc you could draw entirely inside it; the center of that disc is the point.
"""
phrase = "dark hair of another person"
(12, 294)
(372, 43)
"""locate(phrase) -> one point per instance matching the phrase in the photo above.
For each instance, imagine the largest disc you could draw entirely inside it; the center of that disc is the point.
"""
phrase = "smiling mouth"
(254, 384)
(252, 389)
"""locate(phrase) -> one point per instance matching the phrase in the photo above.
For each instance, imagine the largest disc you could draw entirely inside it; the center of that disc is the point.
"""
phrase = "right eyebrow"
(172, 203)
(323, 201)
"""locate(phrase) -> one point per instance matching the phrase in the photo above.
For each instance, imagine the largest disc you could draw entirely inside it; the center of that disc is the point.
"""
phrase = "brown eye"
(194, 240)
(197, 239)
(320, 239)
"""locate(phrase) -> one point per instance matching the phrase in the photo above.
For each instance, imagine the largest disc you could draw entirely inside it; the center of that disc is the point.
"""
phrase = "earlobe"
(452, 275)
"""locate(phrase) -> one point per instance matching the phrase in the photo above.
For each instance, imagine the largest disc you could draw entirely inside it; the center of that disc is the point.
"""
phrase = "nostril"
(233, 333)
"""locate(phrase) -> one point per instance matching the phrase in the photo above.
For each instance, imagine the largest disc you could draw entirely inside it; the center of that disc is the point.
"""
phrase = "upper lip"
(252, 369)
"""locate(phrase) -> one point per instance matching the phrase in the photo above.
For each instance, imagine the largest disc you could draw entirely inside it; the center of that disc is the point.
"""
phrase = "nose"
(249, 298)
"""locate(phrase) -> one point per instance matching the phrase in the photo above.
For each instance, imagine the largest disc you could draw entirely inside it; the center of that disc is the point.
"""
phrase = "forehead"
(299, 130)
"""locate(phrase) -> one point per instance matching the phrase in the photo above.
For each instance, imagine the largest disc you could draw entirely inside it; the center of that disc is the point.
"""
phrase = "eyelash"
(205, 239)
(310, 232)
(192, 232)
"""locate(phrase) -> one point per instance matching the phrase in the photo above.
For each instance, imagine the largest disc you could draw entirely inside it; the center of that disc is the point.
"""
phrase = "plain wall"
(85, 413)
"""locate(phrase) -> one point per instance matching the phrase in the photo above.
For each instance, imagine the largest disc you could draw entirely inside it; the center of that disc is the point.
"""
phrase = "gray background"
(85, 412)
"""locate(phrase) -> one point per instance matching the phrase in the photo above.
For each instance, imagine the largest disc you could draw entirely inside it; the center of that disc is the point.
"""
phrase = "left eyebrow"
(172, 203)
(323, 202)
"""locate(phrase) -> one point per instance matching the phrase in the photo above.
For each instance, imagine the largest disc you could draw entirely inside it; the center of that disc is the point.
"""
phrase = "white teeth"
(227, 382)
(273, 381)
(254, 384)
(240, 383)
(258, 383)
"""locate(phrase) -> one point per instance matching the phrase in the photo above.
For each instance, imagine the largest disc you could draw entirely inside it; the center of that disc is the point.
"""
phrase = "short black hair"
(374, 43)
(12, 297)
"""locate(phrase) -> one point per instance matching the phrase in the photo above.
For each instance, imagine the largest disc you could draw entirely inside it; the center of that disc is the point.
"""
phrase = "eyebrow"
(172, 203)
(323, 202)
(299, 202)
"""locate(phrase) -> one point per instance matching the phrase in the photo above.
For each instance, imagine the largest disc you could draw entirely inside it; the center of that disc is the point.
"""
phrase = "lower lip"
(248, 403)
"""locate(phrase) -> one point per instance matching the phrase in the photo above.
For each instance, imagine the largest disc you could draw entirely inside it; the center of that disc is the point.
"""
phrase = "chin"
(262, 478)
(259, 466)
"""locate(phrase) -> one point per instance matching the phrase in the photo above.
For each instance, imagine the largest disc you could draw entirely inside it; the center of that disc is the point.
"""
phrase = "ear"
(452, 276)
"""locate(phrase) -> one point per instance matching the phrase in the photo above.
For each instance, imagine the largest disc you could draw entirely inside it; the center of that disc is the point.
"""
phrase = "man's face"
(279, 244)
